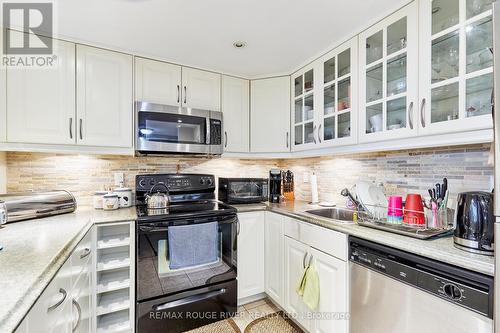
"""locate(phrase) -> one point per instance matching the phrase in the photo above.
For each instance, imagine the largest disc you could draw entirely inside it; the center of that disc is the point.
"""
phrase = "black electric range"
(171, 299)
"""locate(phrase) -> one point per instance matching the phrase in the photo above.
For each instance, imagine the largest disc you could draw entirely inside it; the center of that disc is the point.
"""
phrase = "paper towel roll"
(314, 189)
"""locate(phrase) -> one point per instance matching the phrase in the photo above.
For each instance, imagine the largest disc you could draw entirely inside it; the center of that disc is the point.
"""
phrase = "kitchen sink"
(340, 214)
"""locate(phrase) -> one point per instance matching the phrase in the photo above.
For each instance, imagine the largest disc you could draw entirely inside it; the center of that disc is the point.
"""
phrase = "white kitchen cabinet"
(3, 95)
(104, 98)
(334, 294)
(270, 115)
(295, 260)
(388, 86)
(456, 66)
(157, 82)
(236, 120)
(250, 254)
(324, 100)
(41, 102)
(274, 257)
(200, 89)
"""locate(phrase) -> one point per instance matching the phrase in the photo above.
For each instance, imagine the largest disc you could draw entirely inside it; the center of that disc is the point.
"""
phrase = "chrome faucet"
(346, 193)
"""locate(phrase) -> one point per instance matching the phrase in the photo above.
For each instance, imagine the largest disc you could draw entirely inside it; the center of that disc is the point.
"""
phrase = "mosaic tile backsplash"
(414, 171)
(400, 172)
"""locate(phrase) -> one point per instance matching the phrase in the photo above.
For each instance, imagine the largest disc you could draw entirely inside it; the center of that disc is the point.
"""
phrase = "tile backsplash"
(401, 172)
(83, 174)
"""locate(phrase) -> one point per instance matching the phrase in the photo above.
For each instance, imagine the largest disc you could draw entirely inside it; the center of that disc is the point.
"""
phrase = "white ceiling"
(281, 35)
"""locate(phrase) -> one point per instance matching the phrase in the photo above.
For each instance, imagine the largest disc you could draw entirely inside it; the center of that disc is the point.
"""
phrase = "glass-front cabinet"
(388, 87)
(304, 108)
(324, 100)
(456, 58)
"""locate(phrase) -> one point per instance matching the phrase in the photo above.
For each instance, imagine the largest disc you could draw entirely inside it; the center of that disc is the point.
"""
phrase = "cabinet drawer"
(329, 241)
(80, 258)
(53, 302)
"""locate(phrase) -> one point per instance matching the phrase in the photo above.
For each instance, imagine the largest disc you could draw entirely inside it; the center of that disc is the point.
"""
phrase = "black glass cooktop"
(183, 210)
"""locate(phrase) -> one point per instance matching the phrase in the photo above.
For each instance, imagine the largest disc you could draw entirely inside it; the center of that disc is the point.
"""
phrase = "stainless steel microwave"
(163, 129)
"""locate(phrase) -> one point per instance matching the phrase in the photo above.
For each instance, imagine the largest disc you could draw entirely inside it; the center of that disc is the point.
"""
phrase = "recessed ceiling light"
(239, 44)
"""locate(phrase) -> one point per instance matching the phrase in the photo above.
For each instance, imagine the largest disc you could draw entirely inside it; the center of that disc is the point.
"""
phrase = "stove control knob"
(202, 181)
(452, 291)
(210, 181)
(152, 182)
(142, 182)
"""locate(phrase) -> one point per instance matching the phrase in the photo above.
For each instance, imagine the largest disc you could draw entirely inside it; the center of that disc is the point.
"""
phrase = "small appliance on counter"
(474, 222)
(24, 206)
(275, 176)
(243, 190)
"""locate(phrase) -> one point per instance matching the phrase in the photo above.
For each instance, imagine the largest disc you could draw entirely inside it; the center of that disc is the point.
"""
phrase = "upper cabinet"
(324, 100)
(163, 83)
(270, 115)
(456, 65)
(104, 97)
(235, 108)
(200, 89)
(41, 102)
(388, 87)
(157, 82)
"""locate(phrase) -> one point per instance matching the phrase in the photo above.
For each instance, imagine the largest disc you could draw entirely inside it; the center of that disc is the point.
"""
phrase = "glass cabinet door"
(389, 79)
(457, 65)
(304, 109)
(336, 122)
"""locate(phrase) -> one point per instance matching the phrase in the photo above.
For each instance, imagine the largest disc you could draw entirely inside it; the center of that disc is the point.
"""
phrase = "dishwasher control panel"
(462, 287)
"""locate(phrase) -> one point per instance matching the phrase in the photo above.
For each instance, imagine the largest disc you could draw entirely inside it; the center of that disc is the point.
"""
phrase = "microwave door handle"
(208, 131)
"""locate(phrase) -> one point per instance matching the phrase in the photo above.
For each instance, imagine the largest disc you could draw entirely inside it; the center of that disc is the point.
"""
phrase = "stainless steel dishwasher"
(396, 291)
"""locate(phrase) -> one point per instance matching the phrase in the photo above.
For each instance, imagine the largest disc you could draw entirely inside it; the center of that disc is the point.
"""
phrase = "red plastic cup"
(414, 210)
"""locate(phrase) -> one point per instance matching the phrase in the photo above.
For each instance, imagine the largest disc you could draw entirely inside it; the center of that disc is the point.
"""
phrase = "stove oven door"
(155, 276)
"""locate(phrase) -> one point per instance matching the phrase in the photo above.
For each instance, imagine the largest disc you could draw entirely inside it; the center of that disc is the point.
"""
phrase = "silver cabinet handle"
(422, 113)
(178, 93)
(287, 136)
(81, 130)
(225, 135)
(319, 133)
(185, 94)
(79, 311)
(304, 260)
(410, 115)
(64, 293)
(86, 253)
(71, 128)
(238, 227)
(314, 134)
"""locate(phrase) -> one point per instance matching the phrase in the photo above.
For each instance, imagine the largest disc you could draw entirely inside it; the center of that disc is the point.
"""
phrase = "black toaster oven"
(243, 190)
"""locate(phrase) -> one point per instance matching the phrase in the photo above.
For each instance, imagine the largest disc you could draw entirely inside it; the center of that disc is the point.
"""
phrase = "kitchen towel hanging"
(193, 245)
(308, 286)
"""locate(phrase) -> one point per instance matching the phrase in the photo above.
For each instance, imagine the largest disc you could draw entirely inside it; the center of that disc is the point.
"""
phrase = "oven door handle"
(152, 229)
(189, 300)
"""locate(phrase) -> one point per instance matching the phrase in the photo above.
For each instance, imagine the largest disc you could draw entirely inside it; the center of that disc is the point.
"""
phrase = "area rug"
(275, 322)
(223, 326)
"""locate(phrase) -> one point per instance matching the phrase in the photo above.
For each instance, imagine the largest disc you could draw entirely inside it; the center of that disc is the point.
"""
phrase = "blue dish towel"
(193, 245)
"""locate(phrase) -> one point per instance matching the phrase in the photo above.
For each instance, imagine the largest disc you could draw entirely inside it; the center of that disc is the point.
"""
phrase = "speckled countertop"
(34, 250)
(441, 249)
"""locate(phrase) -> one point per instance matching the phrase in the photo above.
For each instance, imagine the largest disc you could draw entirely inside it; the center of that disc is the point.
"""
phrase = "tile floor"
(251, 311)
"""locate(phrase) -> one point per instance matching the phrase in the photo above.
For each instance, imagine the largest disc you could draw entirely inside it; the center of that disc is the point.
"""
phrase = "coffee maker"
(274, 185)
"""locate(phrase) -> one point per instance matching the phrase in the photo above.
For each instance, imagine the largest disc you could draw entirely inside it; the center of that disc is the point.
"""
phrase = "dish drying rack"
(436, 225)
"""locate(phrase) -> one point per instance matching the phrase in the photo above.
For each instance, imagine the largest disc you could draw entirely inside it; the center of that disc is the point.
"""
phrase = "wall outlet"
(119, 180)
(305, 177)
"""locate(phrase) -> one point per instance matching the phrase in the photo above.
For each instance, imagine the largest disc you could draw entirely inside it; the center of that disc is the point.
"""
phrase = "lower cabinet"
(274, 257)
(64, 305)
(250, 254)
(299, 251)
